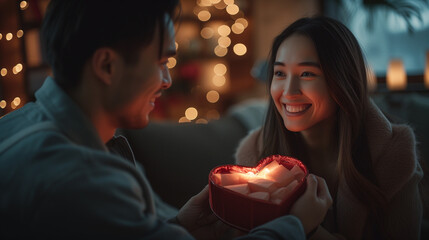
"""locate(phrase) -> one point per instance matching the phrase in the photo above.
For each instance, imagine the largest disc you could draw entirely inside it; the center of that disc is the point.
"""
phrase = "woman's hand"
(312, 206)
(197, 217)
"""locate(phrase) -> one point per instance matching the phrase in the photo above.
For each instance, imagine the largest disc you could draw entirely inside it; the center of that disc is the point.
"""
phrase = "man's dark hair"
(73, 29)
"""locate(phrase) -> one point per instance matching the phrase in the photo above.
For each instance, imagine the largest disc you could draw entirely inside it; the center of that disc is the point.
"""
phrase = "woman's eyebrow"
(311, 64)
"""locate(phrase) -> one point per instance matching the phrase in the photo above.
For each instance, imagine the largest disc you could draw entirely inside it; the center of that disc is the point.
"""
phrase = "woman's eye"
(279, 74)
(307, 74)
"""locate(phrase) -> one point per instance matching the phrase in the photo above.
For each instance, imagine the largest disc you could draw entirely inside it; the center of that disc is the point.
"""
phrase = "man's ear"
(104, 63)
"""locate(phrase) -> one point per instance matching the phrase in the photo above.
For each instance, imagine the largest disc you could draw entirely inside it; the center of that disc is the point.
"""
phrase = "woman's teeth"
(296, 108)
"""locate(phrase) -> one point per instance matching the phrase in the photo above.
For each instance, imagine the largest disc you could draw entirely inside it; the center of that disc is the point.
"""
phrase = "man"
(63, 174)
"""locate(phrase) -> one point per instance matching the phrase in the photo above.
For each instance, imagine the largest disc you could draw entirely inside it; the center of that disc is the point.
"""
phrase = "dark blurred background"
(222, 47)
(219, 74)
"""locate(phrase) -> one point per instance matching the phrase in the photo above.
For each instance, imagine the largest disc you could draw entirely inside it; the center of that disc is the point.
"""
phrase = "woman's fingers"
(311, 184)
(323, 191)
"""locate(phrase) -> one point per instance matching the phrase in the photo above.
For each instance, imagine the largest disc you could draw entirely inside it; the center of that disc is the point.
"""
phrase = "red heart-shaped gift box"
(244, 212)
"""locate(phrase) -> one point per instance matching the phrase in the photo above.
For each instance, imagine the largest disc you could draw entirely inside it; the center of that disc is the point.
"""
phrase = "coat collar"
(67, 115)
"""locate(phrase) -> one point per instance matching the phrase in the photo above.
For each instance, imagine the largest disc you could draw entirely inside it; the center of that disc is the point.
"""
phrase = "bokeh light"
(183, 120)
(240, 49)
(237, 28)
(3, 72)
(228, 2)
(220, 51)
(3, 104)
(232, 9)
(204, 15)
(224, 42)
(218, 81)
(243, 21)
(220, 69)
(212, 96)
(19, 34)
(191, 113)
(207, 33)
(9, 36)
(171, 62)
(224, 30)
(23, 5)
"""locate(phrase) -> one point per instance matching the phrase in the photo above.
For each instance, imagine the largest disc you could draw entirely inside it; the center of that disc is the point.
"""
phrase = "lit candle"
(396, 76)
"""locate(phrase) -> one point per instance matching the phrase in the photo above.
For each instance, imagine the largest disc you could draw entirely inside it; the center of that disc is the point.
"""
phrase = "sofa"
(177, 157)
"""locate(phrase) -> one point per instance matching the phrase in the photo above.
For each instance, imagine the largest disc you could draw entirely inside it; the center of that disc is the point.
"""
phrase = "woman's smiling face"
(298, 87)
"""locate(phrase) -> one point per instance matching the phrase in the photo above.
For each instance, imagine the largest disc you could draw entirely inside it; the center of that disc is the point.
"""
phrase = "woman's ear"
(104, 64)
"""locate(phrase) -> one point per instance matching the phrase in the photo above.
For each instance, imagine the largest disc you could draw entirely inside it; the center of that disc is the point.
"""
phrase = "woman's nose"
(292, 87)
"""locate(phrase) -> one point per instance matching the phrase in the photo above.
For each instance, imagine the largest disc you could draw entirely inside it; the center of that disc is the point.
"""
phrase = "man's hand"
(312, 206)
(197, 217)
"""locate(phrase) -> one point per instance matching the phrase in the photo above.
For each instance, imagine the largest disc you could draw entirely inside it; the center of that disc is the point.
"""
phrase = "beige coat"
(393, 150)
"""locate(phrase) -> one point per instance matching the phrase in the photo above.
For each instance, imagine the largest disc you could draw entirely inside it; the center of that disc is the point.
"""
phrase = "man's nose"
(166, 78)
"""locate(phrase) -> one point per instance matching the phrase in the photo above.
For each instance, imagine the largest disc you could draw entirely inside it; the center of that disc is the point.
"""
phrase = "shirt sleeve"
(101, 200)
(286, 227)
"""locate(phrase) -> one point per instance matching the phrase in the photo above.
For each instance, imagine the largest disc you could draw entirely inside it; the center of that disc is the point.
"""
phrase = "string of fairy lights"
(15, 69)
(204, 10)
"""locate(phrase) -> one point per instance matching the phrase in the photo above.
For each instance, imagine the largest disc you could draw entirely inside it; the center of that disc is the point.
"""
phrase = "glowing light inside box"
(240, 196)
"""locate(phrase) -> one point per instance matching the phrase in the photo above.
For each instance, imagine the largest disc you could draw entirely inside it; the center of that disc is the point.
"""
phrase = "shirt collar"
(67, 115)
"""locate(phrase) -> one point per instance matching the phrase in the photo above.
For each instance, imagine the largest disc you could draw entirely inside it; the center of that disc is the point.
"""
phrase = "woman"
(320, 113)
